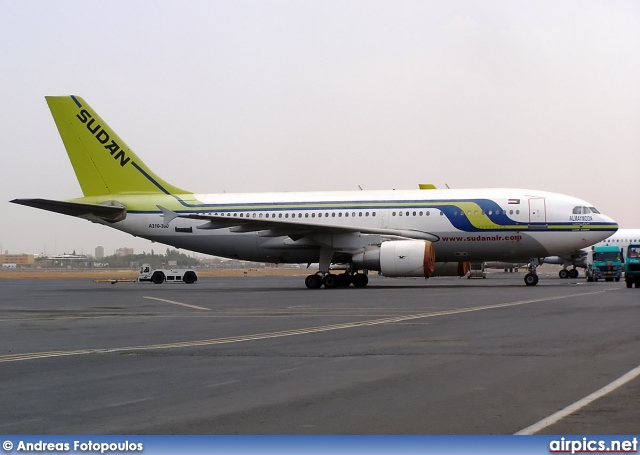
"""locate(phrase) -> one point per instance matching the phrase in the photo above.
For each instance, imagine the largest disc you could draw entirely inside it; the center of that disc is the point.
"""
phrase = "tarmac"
(265, 355)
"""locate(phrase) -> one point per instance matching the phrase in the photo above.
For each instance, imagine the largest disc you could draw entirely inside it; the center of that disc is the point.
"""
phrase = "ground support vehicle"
(604, 262)
(632, 265)
(159, 276)
(476, 270)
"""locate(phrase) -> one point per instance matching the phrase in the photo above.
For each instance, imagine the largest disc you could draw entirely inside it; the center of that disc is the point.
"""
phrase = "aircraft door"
(383, 218)
(537, 210)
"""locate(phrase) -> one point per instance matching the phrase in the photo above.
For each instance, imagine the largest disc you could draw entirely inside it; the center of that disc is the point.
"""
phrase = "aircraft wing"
(106, 212)
(294, 229)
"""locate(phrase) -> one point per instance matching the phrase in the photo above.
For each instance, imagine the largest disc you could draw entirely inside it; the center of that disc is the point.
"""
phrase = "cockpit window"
(594, 210)
(577, 210)
(586, 210)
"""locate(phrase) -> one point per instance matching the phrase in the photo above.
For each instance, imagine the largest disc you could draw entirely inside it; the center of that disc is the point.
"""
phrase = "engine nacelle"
(398, 258)
(451, 268)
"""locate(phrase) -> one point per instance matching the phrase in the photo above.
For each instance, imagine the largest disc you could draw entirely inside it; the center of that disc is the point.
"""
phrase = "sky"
(252, 96)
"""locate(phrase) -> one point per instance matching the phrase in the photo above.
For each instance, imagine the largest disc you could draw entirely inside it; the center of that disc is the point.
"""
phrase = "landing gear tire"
(330, 281)
(564, 273)
(344, 280)
(531, 279)
(313, 281)
(360, 280)
(573, 273)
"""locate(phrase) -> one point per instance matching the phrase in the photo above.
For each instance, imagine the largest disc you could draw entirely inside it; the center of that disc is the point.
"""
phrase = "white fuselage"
(463, 225)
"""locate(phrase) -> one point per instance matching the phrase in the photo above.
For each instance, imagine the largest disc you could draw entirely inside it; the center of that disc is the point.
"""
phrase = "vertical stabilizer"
(101, 160)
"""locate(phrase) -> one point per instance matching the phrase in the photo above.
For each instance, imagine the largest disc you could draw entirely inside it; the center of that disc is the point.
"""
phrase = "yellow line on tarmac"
(177, 303)
(284, 333)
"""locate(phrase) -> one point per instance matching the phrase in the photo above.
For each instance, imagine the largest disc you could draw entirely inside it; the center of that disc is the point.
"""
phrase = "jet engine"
(451, 268)
(407, 258)
(398, 258)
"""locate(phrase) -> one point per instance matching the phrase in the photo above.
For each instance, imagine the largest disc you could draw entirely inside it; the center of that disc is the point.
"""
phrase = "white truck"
(159, 276)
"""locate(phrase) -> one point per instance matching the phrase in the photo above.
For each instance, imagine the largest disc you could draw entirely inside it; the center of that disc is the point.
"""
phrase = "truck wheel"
(629, 284)
(617, 280)
(157, 278)
(190, 278)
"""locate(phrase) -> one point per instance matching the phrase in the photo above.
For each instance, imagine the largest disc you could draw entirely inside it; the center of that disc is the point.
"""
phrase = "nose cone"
(609, 224)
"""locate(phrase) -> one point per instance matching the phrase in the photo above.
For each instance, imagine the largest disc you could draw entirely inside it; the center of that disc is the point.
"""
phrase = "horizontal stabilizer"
(105, 212)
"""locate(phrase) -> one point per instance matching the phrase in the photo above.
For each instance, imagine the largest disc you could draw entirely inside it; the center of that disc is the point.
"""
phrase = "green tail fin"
(101, 160)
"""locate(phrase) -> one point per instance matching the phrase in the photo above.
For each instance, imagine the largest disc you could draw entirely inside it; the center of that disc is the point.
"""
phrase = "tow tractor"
(159, 276)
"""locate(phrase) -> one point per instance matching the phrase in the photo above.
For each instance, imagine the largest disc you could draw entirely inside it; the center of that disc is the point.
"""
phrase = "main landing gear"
(336, 280)
(531, 278)
(329, 280)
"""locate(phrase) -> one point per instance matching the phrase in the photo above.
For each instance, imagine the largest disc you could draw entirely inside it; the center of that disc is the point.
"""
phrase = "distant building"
(124, 251)
(99, 252)
(20, 260)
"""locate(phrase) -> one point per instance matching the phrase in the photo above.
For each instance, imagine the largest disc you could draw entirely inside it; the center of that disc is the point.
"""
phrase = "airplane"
(397, 233)
(578, 258)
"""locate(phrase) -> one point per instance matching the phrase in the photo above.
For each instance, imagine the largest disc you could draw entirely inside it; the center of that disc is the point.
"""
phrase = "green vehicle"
(605, 262)
(632, 265)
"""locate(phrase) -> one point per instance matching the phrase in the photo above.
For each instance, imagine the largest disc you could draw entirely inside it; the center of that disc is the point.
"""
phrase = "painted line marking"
(553, 418)
(177, 303)
(284, 333)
